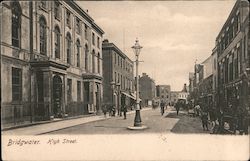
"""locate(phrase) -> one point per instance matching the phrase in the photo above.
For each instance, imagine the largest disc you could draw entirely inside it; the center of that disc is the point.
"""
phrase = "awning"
(128, 95)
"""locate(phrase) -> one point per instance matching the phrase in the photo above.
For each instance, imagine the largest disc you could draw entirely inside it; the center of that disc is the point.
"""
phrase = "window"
(98, 42)
(78, 53)
(57, 9)
(69, 90)
(68, 18)
(115, 78)
(86, 57)
(78, 91)
(85, 31)
(93, 61)
(16, 84)
(78, 26)
(93, 38)
(57, 42)
(16, 23)
(43, 36)
(68, 43)
(115, 58)
(98, 63)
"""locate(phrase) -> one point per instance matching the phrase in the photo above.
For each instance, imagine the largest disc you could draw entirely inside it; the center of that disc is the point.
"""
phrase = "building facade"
(146, 89)
(51, 59)
(164, 93)
(118, 80)
(232, 46)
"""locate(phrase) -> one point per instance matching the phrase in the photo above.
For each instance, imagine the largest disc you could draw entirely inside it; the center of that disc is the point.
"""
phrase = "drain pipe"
(31, 56)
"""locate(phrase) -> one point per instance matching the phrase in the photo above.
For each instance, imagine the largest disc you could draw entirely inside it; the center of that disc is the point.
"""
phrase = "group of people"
(111, 110)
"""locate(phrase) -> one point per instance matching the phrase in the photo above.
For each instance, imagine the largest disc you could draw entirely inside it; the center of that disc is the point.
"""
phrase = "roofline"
(229, 16)
(113, 46)
(84, 15)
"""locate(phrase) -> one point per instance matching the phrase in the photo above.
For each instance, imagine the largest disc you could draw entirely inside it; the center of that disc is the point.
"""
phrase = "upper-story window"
(43, 4)
(86, 57)
(68, 18)
(98, 42)
(85, 31)
(16, 23)
(78, 26)
(93, 38)
(43, 35)
(93, 61)
(57, 42)
(98, 63)
(78, 53)
(57, 10)
(68, 47)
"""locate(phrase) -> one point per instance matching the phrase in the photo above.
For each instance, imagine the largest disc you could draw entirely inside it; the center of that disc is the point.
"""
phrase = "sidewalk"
(56, 125)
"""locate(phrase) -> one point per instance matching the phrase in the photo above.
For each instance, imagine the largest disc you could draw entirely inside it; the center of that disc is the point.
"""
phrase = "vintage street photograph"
(124, 68)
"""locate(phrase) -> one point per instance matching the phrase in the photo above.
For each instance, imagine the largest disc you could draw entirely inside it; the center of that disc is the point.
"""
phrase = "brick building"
(51, 61)
(147, 89)
(232, 46)
(118, 80)
(163, 92)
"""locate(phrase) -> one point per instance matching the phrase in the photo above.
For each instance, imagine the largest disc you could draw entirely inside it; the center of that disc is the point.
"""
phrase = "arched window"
(98, 63)
(78, 53)
(86, 57)
(43, 35)
(16, 23)
(68, 47)
(57, 42)
(93, 61)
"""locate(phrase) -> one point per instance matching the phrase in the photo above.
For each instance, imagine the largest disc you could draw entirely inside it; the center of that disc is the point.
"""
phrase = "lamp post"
(137, 121)
(118, 99)
(112, 94)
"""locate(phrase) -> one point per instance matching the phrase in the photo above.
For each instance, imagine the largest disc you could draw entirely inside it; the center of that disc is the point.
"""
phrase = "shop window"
(69, 90)
(16, 84)
(78, 91)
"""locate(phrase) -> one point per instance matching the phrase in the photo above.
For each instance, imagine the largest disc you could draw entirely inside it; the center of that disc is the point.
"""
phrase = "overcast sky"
(173, 33)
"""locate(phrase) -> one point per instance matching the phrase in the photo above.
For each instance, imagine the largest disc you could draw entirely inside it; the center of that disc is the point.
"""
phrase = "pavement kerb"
(47, 122)
(66, 119)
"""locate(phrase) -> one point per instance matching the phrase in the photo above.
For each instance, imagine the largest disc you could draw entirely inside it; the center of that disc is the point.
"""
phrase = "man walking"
(204, 119)
(162, 107)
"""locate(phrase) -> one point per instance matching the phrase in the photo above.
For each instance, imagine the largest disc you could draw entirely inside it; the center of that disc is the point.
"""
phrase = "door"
(57, 95)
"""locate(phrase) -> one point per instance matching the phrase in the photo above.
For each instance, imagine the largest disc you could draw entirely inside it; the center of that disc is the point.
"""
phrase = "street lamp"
(112, 93)
(137, 121)
(118, 99)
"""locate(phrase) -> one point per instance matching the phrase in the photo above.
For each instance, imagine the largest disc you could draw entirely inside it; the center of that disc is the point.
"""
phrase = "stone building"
(118, 80)
(163, 92)
(147, 89)
(51, 61)
(232, 47)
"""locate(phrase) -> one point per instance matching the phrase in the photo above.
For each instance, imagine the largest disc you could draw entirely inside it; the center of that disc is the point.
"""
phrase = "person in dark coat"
(104, 109)
(204, 119)
(177, 107)
(125, 111)
(162, 107)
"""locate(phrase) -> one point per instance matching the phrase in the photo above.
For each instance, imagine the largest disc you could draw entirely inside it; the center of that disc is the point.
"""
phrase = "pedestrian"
(177, 107)
(204, 119)
(125, 111)
(104, 109)
(162, 104)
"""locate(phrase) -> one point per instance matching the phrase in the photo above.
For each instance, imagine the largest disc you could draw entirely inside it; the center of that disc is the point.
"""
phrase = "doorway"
(57, 96)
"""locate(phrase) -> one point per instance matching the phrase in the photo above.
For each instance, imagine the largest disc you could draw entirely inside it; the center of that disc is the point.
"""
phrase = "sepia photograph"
(125, 80)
